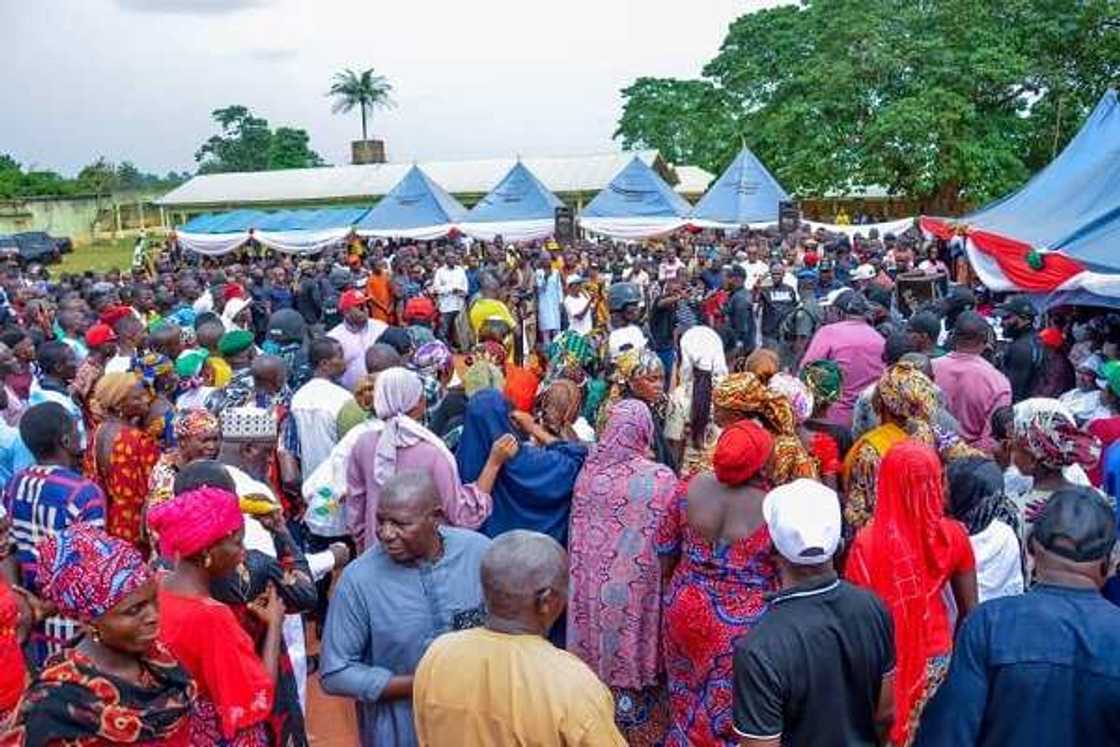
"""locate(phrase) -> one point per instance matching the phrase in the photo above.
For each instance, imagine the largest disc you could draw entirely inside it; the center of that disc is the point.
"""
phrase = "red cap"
(810, 259)
(99, 334)
(419, 307)
(1051, 337)
(114, 314)
(233, 290)
(350, 299)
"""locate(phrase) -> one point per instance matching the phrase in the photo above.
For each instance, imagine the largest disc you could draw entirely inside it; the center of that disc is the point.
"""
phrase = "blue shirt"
(1041, 668)
(382, 617)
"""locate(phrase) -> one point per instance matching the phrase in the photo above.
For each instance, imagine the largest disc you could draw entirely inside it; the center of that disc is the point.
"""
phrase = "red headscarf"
(901, 555)
(742, 450)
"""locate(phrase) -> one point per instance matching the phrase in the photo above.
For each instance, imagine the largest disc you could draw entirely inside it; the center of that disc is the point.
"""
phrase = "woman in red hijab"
(716, 551)
(906, 554)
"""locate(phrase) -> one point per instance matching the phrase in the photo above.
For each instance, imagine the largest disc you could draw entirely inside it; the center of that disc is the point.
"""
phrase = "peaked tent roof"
(518, 196)
(745, 193)
(637, 192)
(1072, 205)
(416, 202)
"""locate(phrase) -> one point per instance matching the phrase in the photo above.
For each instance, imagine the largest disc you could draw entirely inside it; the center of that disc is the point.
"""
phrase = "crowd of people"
(711, 489)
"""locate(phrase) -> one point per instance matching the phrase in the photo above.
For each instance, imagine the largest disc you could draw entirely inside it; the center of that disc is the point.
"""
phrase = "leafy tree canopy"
(947, 101)
(100, 177)
(246, 143)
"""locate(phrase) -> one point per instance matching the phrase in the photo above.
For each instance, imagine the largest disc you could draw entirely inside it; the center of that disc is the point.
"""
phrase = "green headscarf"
(825, 379)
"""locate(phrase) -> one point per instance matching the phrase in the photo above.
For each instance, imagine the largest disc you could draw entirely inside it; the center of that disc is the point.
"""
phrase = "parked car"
(9, 248)
(37, 246)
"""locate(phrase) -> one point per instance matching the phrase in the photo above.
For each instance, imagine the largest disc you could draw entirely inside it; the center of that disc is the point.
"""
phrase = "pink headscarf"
(195, 520)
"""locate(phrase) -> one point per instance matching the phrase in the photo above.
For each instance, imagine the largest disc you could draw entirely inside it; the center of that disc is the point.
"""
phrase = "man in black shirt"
(739, 333)
(1023, 357)
(818, 669)
(777, 300)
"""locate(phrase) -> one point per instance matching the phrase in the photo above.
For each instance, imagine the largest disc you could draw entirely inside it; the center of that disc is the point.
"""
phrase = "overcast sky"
(137, 79)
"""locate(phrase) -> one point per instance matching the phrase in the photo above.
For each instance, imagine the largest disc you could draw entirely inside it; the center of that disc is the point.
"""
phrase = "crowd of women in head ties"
(187, 469)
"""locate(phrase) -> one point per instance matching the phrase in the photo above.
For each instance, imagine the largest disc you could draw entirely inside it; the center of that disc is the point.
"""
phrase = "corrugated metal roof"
(559, 174)
(693, 180)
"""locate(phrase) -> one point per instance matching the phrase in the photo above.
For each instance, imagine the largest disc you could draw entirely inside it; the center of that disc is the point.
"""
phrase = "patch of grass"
(99, 256)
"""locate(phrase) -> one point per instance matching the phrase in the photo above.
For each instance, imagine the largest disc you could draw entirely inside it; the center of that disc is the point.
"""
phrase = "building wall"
(81, 217)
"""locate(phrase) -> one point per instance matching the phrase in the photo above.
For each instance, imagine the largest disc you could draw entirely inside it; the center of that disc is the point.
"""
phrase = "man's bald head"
(270, 373)
(380, 356)
(410, 487)
(525, 581)
(408, 517)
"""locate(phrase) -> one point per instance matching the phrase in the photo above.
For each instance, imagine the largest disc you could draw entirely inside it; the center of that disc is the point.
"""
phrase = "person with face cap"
(357, 333)
(819, 667)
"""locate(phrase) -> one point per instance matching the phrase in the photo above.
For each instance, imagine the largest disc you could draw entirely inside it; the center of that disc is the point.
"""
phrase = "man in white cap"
(577, 305)
(819, 667)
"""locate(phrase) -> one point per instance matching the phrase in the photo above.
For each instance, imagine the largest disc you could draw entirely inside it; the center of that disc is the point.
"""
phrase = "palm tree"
(363, 90)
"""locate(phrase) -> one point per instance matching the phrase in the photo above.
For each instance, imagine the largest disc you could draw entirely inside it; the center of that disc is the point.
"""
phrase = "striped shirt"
(42, 501)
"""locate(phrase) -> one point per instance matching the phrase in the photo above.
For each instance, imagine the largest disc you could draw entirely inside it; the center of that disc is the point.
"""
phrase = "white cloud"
(492, 77)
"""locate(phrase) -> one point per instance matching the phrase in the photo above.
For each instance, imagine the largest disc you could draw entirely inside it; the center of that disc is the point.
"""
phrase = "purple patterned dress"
(614, 611)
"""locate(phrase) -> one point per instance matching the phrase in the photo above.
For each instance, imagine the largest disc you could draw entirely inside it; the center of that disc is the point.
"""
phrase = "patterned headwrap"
(634, 363)
(742, 450)
(195, 423)
(824, 379)
(564, 395)
(110, 393)
(1046, 430)
(86, 573)
(908, 395)
(743, 393)
(491, 350)
(432, 359)
(572, 347)
(798, 394)
(483, 374)
(151, 366)
(195, 520)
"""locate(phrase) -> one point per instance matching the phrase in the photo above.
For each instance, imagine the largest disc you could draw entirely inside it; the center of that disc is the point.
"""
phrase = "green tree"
(950, 102)
(247, 144)
(362, 90)
(99, 177)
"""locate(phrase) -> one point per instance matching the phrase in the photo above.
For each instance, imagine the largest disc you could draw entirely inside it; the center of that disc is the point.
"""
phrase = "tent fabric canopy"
(416, 208)
(637, 204)
(745, 193)
(519, 208)
(1060, 230)
(637, 192)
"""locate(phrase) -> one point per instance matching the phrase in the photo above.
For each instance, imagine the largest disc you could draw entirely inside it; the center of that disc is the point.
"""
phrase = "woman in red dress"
(907, 554)
(121, 456)
(202, 531)
(716, 550)
(119, 685)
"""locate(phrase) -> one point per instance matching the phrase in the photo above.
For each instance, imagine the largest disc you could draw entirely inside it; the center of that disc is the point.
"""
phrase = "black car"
(37, 247)
(9, 248)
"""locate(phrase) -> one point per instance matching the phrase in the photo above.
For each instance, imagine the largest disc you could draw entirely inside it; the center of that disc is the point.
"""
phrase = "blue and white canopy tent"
(1058, 234)
(519, 208)
(291, 231)
(637, 204)
(745, 194)
(417, 208)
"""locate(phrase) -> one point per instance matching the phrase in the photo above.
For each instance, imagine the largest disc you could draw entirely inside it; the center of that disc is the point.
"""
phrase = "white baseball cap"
(863, 272)
(833, 296)
(803, 517)
(575, 278)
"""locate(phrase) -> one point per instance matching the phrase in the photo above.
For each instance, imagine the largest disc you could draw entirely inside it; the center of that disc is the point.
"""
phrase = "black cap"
(852, 303)
(737, 270)
(825, 265)
(1017, 305)
(1077, 524)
